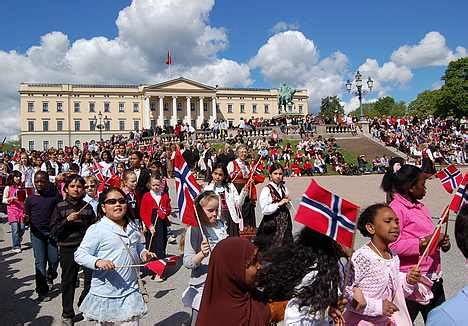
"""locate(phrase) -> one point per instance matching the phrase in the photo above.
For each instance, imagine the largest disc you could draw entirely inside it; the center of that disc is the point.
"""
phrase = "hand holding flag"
(450, 177)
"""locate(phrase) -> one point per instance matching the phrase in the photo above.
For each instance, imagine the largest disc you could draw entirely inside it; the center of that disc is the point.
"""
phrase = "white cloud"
(432, 50)
(147, 29)
(282, 26)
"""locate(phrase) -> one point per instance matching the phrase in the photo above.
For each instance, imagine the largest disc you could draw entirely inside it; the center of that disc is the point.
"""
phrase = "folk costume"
(240, 173)
(230, 205)
(154, 211)
(276, 225)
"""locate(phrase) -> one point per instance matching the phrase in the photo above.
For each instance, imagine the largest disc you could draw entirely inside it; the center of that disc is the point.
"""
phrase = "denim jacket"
(103, 240)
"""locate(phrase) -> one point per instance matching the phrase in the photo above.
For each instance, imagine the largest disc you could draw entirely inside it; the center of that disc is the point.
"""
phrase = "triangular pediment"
(180, 83)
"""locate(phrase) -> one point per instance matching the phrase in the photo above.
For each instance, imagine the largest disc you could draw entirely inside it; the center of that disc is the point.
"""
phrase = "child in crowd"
(129, 179)
(108, 247)
(231, 202)
(14, 196)
(311, 288)
(230, 297)
(199, 242)
(91, 187)
(276, 226)
(154, 211)
(409, 184)
(380, 299)
(394, 165)
(70, 220)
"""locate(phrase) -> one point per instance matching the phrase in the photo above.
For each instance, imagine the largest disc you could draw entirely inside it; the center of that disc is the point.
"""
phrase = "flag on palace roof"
(329, 214)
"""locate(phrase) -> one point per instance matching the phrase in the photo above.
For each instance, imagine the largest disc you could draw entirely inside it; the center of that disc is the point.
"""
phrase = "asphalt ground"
(18, 307)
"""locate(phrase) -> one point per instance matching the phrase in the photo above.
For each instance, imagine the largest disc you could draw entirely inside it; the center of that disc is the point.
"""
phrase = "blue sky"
(239, 30)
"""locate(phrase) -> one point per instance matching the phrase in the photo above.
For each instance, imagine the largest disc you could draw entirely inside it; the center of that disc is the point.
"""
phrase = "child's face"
(75, 189)
(131, 182)
(210, 208)
(386, 225)
(418, 190)
(277, 176)
(218, 176)
(155, 185)
(120, 169)
(91, 188)
(16, 179)
(115, 206)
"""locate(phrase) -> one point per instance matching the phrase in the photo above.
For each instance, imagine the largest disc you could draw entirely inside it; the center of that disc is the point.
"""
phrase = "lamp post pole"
(359, 91)
(100, 126)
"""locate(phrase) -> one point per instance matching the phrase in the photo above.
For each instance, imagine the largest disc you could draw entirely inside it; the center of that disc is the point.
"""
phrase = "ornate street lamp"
(359, 91)
(100, 126)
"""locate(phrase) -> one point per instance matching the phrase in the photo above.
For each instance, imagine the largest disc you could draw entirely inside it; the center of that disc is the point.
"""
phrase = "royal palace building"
(58, 115)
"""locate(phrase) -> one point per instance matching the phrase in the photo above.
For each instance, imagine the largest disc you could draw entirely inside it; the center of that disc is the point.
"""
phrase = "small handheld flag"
(461, 196)
(159, 266)
(328, 214)
(450, 177)
(187, 189)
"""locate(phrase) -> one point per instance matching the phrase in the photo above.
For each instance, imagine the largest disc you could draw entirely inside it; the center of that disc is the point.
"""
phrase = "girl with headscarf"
(229, 296)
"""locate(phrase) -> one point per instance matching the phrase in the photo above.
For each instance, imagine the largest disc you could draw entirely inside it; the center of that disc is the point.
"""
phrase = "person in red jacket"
(154, 211)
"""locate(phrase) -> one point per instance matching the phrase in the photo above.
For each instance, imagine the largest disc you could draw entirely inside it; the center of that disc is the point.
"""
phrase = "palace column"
(146, 114)
(188, 114)
(161, 111)
(200, 116)
(174, 111)
(213, 110)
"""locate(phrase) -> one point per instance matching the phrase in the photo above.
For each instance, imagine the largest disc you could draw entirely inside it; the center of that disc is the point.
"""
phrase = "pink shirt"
(415, 223)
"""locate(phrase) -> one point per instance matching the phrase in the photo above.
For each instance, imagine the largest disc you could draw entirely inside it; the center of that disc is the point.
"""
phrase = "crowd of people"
(103, 210)
(443, 140)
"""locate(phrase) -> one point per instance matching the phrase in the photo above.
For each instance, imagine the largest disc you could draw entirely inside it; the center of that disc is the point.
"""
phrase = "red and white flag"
(329, 214)
(450, 177)
(169, 58)
(461, 196)
(187, 189)
(159, 266)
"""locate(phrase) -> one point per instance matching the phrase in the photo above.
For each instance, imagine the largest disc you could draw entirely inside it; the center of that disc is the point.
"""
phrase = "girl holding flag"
(230, 200)
(416, 229)
(199, 242)
(109, 247)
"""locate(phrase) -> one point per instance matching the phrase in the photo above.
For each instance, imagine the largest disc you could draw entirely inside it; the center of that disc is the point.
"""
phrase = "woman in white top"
(230, 200)
(276, 226)
(27, 171)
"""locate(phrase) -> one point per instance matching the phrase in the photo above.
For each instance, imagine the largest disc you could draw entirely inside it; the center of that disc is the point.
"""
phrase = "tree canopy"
(330, 107)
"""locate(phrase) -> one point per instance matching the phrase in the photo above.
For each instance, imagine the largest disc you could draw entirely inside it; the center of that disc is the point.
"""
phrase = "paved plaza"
(17, 306)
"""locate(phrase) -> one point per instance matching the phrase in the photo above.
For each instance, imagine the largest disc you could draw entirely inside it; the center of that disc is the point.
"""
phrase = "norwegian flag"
(461, 196)
(187, 189)
(450, 177)
(169, 58)
(328, 214)
(96, 170)
(159, 266)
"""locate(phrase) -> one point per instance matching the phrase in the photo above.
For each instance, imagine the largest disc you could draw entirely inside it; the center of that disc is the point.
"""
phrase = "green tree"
(383, 107)
(330, 107)
(425, 104)
(452, 99)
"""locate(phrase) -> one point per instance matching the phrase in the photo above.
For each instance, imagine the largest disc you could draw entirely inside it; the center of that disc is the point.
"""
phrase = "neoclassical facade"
(58, 115)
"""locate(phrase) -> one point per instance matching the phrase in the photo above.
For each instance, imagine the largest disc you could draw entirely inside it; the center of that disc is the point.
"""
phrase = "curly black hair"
(285, 267)
(367, 216)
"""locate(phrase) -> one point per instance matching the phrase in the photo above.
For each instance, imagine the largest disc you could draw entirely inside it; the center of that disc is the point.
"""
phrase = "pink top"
(15, 209)
(415, 223)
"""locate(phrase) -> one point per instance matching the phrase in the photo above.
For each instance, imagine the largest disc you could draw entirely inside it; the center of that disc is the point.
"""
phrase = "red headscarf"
(227, 299)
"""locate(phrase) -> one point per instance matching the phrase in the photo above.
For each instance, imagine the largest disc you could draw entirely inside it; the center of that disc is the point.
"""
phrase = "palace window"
(30, 125)
(31, 145)
(45, 145)
(121, 107)
(136, 124)
(229, 108)
(45, 125)
(30, 106)
(77, 125)
(267, 109)
(166, 107)
(45, 106)
(254, 108)
(179, 106)
(153, 106)
(300, 108)
(242, 108)
(76, 107)
(136, 107)
(92, 107)
(59, 125)
(230, 123)
(122, 125)
(92, 125)
(59, 144)
(217, 108)
(205, 107)
(59, 107)
(106, 107)
(192, 106)
(107, 125)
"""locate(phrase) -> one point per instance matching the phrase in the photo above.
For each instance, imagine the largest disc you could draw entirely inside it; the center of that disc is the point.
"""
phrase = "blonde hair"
(201, 200)
(91, 178)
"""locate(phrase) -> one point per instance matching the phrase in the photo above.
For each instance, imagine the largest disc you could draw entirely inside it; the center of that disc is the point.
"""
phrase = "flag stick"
(130, 266)
(81, 209)
(152, 234)
(439, 225)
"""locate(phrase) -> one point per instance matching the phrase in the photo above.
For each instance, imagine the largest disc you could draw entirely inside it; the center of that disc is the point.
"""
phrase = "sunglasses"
(89, 186)
(114, 201)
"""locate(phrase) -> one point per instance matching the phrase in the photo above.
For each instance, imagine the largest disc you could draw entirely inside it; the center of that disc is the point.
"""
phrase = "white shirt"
(266, 200)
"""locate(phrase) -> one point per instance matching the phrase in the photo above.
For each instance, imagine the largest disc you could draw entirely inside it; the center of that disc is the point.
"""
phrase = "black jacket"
(142, 184)
(70, 234)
